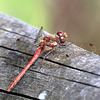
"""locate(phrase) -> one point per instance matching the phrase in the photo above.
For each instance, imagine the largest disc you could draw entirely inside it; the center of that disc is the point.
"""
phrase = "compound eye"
(60, 33)
(65, 34)
(62, 39)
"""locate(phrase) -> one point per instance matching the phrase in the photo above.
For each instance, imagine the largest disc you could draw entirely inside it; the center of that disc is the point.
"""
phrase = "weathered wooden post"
(73, 78)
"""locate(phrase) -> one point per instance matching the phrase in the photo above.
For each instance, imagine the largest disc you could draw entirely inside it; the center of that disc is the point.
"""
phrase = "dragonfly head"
(62, 36)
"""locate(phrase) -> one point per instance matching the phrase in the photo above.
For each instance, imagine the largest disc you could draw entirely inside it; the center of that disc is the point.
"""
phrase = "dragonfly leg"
(49, 51)
(66, 45)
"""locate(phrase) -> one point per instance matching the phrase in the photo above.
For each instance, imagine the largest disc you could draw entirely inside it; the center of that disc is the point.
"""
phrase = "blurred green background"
(79, 18)
(30, 11)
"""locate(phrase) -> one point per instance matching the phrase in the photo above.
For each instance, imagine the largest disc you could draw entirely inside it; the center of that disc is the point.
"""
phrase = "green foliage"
(29, 11)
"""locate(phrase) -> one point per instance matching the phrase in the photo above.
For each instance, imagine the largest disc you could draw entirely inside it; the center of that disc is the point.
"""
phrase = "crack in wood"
(30, 70)
(80, 80)
(16, 33)
(76, 81)
(5, 57)
(58, 77)
(15, 50)
(18, 94)
(70, 66)
(51, 61)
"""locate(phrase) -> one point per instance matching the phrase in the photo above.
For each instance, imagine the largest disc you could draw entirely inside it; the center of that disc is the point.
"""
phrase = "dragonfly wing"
(88, 46)
(23, 42)
(40, 35)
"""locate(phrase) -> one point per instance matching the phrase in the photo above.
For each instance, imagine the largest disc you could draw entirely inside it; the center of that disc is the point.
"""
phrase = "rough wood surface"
(73, 78)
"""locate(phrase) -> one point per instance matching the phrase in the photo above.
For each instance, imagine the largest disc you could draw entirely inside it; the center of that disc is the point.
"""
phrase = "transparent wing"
(40, 35)
(87, 46)
(27, 44)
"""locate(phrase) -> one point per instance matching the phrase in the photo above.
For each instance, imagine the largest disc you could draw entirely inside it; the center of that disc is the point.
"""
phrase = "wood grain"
(63, 78)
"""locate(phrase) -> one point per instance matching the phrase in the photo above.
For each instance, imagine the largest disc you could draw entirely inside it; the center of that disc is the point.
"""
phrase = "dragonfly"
(47, 44)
